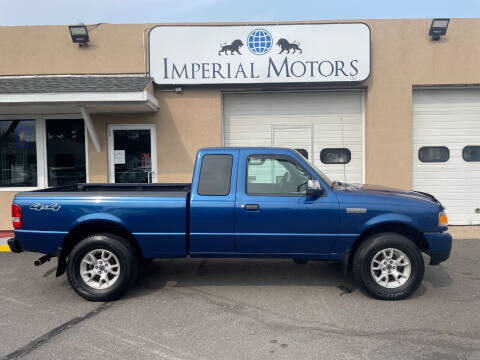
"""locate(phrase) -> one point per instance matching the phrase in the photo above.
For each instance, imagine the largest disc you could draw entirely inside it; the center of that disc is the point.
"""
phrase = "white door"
(446, 150)
(132, 153)
(328, 121)
(295, 137)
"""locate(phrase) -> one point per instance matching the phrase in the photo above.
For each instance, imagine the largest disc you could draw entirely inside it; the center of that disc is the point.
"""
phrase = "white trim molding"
(91, 129)
(82, 98)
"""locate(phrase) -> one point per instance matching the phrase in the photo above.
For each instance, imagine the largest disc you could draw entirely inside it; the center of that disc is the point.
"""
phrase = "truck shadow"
(240, 272)
(180, 273)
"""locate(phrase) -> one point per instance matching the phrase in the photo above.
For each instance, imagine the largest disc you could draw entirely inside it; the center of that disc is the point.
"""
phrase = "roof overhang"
(66, 103)
(128, 95)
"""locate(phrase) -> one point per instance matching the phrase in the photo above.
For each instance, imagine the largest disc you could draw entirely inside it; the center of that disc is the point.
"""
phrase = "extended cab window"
(275, 176)
(215, 175)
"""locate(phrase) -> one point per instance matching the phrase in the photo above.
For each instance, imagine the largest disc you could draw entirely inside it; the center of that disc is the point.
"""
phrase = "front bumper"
(14, 245)
(440, 246)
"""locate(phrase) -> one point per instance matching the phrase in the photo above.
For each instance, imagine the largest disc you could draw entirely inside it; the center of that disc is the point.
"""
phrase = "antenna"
(344, 165)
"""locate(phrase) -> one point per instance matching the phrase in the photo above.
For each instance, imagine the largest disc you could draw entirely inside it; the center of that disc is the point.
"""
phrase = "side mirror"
(314, 189)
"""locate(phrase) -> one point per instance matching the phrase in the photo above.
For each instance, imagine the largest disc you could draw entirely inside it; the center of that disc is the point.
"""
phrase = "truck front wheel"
(389, 266)
(102, 267)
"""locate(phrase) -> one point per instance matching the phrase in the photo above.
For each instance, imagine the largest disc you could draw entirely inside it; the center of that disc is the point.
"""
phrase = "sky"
(48, 12)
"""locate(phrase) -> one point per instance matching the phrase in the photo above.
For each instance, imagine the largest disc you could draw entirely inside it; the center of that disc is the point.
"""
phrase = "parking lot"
(241, 309)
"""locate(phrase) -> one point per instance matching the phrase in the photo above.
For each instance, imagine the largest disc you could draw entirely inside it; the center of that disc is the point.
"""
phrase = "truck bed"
(155, 214)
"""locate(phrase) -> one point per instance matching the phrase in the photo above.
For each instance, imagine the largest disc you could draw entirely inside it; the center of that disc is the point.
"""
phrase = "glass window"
(132, 155)
(303, 152)
(433, 154)
(18, 153)
(276, 176)
(65, 152)
(335, 156)
(471, 153)
(215, 175)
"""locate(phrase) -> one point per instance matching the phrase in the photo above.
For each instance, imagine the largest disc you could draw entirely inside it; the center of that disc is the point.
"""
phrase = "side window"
(275, 176)
(335, 156)
(215, 175)
(471, 153)
(303, 152)
(433, 154)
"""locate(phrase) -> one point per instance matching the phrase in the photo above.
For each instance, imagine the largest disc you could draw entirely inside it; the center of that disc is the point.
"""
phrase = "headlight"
(442, 218)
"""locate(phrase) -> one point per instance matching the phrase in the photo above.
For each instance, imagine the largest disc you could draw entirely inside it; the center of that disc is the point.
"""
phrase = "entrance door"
(132, 154)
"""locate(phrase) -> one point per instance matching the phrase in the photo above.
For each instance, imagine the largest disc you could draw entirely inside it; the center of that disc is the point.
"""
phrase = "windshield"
(324, 177)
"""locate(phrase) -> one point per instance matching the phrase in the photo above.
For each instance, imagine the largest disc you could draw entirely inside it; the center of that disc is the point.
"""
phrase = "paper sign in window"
(119, 156)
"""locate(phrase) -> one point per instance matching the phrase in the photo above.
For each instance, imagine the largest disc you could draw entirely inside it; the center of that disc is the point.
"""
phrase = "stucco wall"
(33, 50)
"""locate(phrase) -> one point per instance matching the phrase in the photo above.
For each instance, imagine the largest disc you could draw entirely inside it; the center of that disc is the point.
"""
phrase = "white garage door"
(313, 121)
(446, 150)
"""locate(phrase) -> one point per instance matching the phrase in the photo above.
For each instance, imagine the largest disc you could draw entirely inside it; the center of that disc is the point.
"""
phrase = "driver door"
(273, 215)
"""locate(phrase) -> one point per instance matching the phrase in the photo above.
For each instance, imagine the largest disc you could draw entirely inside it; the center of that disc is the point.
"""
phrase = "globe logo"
(259, 41)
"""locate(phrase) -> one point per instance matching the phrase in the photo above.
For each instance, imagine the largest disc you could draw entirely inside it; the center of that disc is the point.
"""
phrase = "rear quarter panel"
(157, 222)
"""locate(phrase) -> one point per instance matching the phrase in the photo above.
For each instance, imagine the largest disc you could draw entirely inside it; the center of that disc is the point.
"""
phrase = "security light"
(438, 28)
(79, 34)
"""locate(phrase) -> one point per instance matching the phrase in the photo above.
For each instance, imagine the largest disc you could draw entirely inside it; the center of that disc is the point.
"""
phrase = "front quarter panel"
(360, 212)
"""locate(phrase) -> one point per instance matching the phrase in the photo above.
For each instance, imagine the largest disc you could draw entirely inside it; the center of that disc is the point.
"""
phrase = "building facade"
(380, 103)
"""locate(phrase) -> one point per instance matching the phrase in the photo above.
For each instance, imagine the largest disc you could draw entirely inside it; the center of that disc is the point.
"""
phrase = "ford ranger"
(242, 203)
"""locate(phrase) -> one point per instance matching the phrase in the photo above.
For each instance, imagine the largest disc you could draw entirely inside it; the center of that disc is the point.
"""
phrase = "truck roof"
(269, 148)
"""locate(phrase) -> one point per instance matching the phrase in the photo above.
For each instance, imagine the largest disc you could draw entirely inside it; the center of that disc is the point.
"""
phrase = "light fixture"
(438, 28)
(79, 34)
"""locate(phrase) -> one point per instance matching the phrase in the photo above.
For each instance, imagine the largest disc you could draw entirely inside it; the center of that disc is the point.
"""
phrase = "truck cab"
(259, 198)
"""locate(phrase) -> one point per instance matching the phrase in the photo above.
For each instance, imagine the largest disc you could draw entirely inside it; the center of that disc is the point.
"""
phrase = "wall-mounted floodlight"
(438, 28)
(79, 34)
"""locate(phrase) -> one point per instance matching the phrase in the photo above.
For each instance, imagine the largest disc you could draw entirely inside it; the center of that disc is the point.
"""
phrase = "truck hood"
(389, 191)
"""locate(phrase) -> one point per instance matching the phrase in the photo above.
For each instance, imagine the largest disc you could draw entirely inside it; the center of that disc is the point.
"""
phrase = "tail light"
(16, 216)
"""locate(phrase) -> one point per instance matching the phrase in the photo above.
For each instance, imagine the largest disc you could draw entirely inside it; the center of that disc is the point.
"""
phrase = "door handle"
(252, 207)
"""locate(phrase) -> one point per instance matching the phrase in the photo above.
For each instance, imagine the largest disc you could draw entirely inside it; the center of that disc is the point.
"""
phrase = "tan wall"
(31, 50)
(5, 210)
(403, 56)
(185, 122)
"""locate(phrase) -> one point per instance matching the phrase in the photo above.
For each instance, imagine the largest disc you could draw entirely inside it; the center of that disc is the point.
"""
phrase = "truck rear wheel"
(102, 267)
(389, 266)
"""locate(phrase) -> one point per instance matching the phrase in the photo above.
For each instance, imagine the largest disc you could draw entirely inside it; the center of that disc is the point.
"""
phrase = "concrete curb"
(3, 245)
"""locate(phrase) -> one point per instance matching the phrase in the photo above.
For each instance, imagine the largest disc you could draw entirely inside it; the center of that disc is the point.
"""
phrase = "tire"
(120, 268)
(382, 278)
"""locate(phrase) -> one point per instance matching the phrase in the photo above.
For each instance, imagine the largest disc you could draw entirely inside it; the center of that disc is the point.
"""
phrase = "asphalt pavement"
(241, 309)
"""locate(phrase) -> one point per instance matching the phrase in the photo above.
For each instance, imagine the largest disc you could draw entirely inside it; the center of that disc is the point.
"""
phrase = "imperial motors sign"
(259, 54)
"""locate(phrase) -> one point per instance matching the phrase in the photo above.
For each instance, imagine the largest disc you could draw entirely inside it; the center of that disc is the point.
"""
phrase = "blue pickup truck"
(242, 203)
